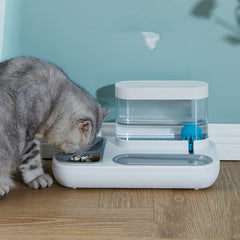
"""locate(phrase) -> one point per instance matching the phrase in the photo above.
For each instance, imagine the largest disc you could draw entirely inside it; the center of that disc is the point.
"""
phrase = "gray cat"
(37, 101)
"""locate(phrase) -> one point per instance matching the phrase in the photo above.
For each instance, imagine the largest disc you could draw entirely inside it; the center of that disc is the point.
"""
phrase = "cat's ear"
(105, 112)
(84, 126)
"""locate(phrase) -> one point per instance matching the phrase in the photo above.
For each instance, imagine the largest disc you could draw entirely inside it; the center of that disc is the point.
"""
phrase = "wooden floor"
(132, 214)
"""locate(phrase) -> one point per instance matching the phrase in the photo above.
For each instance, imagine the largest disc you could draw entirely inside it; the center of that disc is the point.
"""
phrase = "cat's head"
(81, 136)
(76, 125)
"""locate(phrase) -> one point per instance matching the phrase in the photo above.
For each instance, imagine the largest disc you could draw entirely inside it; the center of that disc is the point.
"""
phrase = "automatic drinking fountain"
(161, 141)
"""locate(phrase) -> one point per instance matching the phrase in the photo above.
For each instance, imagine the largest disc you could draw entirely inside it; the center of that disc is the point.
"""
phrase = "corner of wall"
(2, 15)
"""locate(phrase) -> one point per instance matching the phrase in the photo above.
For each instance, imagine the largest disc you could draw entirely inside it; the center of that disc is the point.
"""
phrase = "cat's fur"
(37, 100)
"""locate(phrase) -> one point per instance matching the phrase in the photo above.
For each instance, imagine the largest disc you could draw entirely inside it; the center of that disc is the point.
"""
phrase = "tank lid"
(161, 90)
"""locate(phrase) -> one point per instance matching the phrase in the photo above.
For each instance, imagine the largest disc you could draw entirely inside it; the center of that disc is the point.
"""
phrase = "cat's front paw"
(4, 189)
(42, 181)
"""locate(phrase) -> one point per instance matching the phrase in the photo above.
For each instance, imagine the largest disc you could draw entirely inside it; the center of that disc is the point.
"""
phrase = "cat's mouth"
(67, 149)
(64, 152)
(69, 152)
(64, 149)
(61, 151)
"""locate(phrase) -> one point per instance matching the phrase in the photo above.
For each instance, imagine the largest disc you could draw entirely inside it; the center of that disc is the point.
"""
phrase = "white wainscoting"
(225, 136)
(227, 140)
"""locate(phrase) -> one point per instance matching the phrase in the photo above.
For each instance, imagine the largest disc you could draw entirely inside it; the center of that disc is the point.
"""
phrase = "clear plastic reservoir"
(159, 119)
(180, 111)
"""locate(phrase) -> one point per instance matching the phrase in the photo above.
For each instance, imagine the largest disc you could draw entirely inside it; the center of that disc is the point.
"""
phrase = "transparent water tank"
(161, 110)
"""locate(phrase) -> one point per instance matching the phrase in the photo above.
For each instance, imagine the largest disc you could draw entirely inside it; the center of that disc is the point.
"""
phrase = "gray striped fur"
(37, 101)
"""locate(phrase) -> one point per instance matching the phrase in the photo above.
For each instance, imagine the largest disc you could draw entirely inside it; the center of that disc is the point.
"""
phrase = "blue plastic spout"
(191, 133)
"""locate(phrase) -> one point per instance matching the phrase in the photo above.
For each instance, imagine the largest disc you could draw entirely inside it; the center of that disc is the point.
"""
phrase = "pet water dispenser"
(161, 141)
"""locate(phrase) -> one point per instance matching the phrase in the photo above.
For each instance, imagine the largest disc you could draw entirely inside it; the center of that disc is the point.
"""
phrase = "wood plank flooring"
(132, 214)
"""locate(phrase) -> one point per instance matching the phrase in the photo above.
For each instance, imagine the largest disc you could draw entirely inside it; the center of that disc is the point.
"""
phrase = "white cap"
(161, 90)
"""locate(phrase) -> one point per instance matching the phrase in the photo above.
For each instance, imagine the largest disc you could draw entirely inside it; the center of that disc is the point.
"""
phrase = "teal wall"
(99, 42)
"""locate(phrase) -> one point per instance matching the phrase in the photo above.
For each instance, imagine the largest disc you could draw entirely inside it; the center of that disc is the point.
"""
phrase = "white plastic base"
(108, 174)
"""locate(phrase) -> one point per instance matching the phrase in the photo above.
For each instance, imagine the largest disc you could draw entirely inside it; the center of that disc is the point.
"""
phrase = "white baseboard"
(225, 136)
(227, 140)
